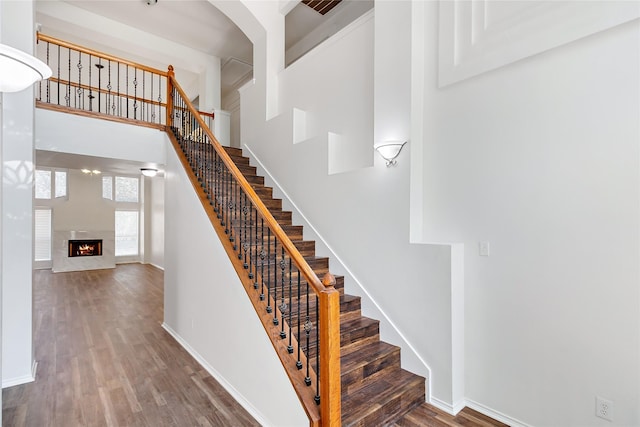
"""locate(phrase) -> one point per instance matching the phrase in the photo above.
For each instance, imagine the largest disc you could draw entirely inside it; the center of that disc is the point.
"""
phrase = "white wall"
(85, 209)
(541, 159)
(208, 311)
(362, 209)
(17, 207)
(69, 133)
(154, 221)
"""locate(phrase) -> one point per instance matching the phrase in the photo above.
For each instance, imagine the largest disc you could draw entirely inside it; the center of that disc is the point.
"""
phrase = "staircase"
(376, 391)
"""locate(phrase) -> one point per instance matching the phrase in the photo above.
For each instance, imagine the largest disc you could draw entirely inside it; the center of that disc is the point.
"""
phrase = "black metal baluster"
(218, 186)
(109, 99)
(254, 245)
(143, 102)
(263, 254)
(269, 309)
(90, 87)
(99, 66)
(245, 239)
(232, 182)
(316, 398)
(58, 76)
(135, 93)
(48, 81)
(79, 90)
(299, 362)
(225, 198)
(68, 97)
(290, 346)
(308, 326)
(274, 287)
(252, 240)
(160, 99)
(127, 81)
(153, 109)
(283, 304)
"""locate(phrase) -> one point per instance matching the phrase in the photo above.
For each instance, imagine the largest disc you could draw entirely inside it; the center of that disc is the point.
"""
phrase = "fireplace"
(85, 248)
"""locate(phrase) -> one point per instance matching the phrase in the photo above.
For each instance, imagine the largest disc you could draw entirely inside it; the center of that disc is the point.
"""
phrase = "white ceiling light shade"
(19, 70)
(150, 172)
(390, 150)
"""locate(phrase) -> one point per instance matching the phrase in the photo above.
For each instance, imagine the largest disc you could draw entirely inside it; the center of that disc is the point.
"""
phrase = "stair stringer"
(208, 312)
(389, 332)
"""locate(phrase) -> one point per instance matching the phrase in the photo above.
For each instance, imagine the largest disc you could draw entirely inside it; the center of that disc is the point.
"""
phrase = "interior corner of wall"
(457, 323)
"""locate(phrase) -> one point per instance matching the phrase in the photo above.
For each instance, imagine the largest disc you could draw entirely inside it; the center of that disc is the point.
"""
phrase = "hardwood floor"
(104, 359)
(426, 415)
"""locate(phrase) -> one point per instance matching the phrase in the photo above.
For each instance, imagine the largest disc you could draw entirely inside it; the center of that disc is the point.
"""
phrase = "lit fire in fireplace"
(85, 248)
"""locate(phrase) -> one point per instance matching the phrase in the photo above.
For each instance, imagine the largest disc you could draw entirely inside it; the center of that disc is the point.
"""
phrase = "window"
(127, 189)
(46, 184)
(61, 184)
(42, 234)
(43, 184)
(107, 187)
(126, 233)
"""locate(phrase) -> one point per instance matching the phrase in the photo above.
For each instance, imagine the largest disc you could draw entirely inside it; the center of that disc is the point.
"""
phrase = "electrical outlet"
(604, 408)
(484, 248)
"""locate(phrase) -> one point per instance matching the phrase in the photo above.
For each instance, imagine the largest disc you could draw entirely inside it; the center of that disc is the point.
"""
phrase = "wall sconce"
(389, 150)
(150, 172)
(19, 69)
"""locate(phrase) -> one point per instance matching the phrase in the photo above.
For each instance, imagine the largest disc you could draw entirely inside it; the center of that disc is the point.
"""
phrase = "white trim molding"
(495, 414)
(483, 35)
(22, 380)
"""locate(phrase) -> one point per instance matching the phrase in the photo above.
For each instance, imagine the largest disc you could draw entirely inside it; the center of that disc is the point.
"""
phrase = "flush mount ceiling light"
(19, 69)
(150, 172)
(389, 150)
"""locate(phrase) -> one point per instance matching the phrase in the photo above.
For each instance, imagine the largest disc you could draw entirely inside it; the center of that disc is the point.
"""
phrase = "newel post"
(330, 394)
(170, 76)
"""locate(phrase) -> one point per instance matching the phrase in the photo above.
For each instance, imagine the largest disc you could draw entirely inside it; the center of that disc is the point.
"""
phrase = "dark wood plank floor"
(429, 416)
(104, 359)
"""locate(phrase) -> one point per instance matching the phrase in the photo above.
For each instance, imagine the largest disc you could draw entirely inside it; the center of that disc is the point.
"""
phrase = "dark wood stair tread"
(384, 400)
(376, 391)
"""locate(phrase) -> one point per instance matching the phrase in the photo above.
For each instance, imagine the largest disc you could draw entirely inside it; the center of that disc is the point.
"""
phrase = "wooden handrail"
(327, 414)
(291, 249)
(328, 296)
(44, 37)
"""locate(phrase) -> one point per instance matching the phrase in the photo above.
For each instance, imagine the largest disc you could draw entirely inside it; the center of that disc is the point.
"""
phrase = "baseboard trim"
(448, 408)
(215, 374)
(499, 416)
(22, 380)
(156, 266)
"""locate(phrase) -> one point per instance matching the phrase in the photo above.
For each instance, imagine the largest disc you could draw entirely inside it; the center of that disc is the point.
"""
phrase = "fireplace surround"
(63, 258)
